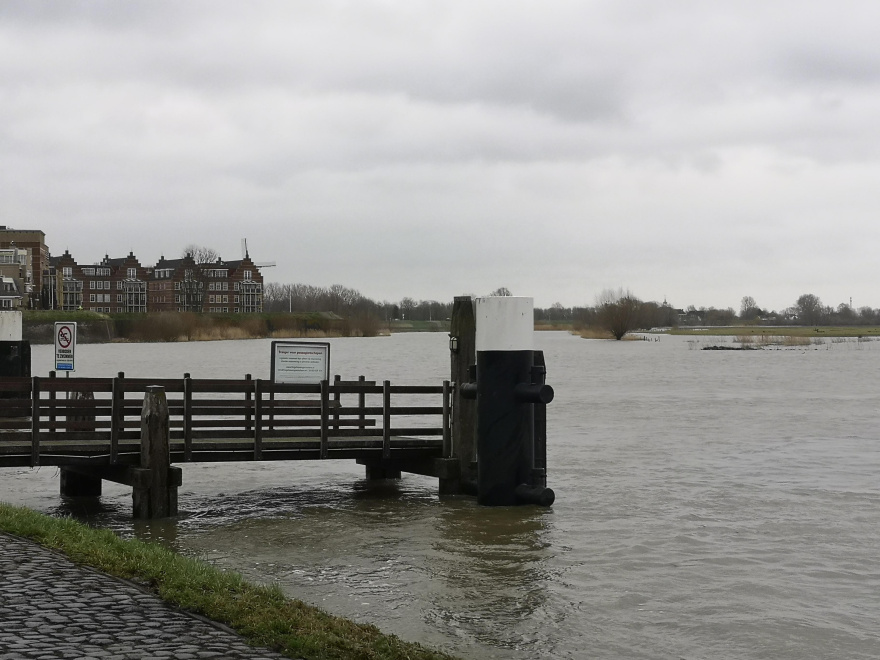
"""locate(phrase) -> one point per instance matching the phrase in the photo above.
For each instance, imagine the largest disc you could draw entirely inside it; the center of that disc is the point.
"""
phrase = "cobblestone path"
(51, 608)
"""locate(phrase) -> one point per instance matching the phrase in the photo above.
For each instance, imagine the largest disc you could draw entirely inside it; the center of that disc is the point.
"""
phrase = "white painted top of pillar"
(10, 326)
(505, 323)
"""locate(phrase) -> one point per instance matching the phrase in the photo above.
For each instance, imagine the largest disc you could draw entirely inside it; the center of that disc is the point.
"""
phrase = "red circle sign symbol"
(64, 337)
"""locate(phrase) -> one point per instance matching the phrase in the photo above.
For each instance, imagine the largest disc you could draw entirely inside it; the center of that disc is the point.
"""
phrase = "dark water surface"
(709, 505)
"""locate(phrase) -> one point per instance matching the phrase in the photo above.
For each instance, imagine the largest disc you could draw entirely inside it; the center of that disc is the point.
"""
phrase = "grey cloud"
(625, 143)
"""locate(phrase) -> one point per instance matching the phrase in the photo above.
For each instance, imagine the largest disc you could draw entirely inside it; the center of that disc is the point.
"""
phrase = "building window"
(67, 271)
(132, 273)
(92, 298)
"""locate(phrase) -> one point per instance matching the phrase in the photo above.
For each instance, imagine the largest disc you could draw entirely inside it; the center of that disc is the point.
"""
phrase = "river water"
(709, 504)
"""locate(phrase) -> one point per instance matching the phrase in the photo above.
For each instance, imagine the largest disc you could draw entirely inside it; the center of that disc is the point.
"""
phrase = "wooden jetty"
(137, 431)
(110, 428)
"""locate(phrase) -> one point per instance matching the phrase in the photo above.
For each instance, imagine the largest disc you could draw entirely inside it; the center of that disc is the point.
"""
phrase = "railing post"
(362, 403)
(187, 417)
(258, 418)
(52, 411)
(248, 399)
(325, 416)
(35, 421)
(337, 401)
(117, 396)
(386, 419)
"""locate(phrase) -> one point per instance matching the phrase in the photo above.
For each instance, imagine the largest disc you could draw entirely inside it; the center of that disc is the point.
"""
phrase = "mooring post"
(508, 388)
(154, 493)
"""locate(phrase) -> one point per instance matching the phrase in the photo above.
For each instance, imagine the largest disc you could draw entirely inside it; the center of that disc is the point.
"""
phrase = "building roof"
(9, 288)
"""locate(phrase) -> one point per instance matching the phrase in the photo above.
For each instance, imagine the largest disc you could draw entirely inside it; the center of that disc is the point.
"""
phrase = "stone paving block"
(52, 609)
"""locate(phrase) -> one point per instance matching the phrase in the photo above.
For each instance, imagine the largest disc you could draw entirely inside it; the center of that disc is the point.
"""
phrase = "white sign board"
(300, 362)
(65, 345)
(10, 326)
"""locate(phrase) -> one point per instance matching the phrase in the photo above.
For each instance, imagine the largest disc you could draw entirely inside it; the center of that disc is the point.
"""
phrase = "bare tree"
(194, 282)
(501, 291)
(201, 254)
(618, 311)
(748, 309)
(407, 305)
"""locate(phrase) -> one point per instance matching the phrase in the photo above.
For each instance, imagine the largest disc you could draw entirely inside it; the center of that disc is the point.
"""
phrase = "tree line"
(620, 311)
(617, 311)
(348, 302)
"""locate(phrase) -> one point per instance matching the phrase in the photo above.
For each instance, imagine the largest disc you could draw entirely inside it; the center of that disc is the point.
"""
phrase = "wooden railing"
(90, 416)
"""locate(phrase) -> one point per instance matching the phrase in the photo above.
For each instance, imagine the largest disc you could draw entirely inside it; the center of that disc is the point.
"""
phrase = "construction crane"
(244, 254)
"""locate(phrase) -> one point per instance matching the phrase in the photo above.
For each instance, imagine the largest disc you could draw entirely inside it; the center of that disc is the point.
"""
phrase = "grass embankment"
(261, 614)
(418, 326)
(781, 331)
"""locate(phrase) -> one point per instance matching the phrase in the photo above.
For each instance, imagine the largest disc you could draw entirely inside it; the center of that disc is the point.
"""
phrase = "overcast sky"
(688, 150)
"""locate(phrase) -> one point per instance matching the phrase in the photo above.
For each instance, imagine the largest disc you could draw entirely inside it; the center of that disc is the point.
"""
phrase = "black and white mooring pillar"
(15, 353)
(509, 384)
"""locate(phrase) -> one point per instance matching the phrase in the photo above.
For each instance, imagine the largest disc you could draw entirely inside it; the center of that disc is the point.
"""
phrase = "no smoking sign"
(65, 345)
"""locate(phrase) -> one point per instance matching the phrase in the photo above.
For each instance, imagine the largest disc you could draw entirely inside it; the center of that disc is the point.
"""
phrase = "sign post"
(65, 345)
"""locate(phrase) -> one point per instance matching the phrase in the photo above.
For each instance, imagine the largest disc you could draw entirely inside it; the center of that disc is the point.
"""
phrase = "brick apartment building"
(32, 279)
(16, 277)
(28, 273)
(124, 285)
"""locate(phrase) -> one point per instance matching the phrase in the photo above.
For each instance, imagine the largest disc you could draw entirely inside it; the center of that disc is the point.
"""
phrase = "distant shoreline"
(758, 331)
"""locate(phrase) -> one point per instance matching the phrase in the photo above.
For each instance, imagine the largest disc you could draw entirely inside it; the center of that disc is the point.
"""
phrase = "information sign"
(65, 345)
(300, 362)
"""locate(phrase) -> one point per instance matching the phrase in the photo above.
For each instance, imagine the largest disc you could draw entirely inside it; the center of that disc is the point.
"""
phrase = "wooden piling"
(155, 496)
(463, 354)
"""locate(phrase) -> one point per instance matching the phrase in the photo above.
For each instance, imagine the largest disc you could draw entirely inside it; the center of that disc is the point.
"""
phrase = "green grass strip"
(261, 614)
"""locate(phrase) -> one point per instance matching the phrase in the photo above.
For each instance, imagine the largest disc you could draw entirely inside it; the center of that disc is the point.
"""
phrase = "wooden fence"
(61, 421)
